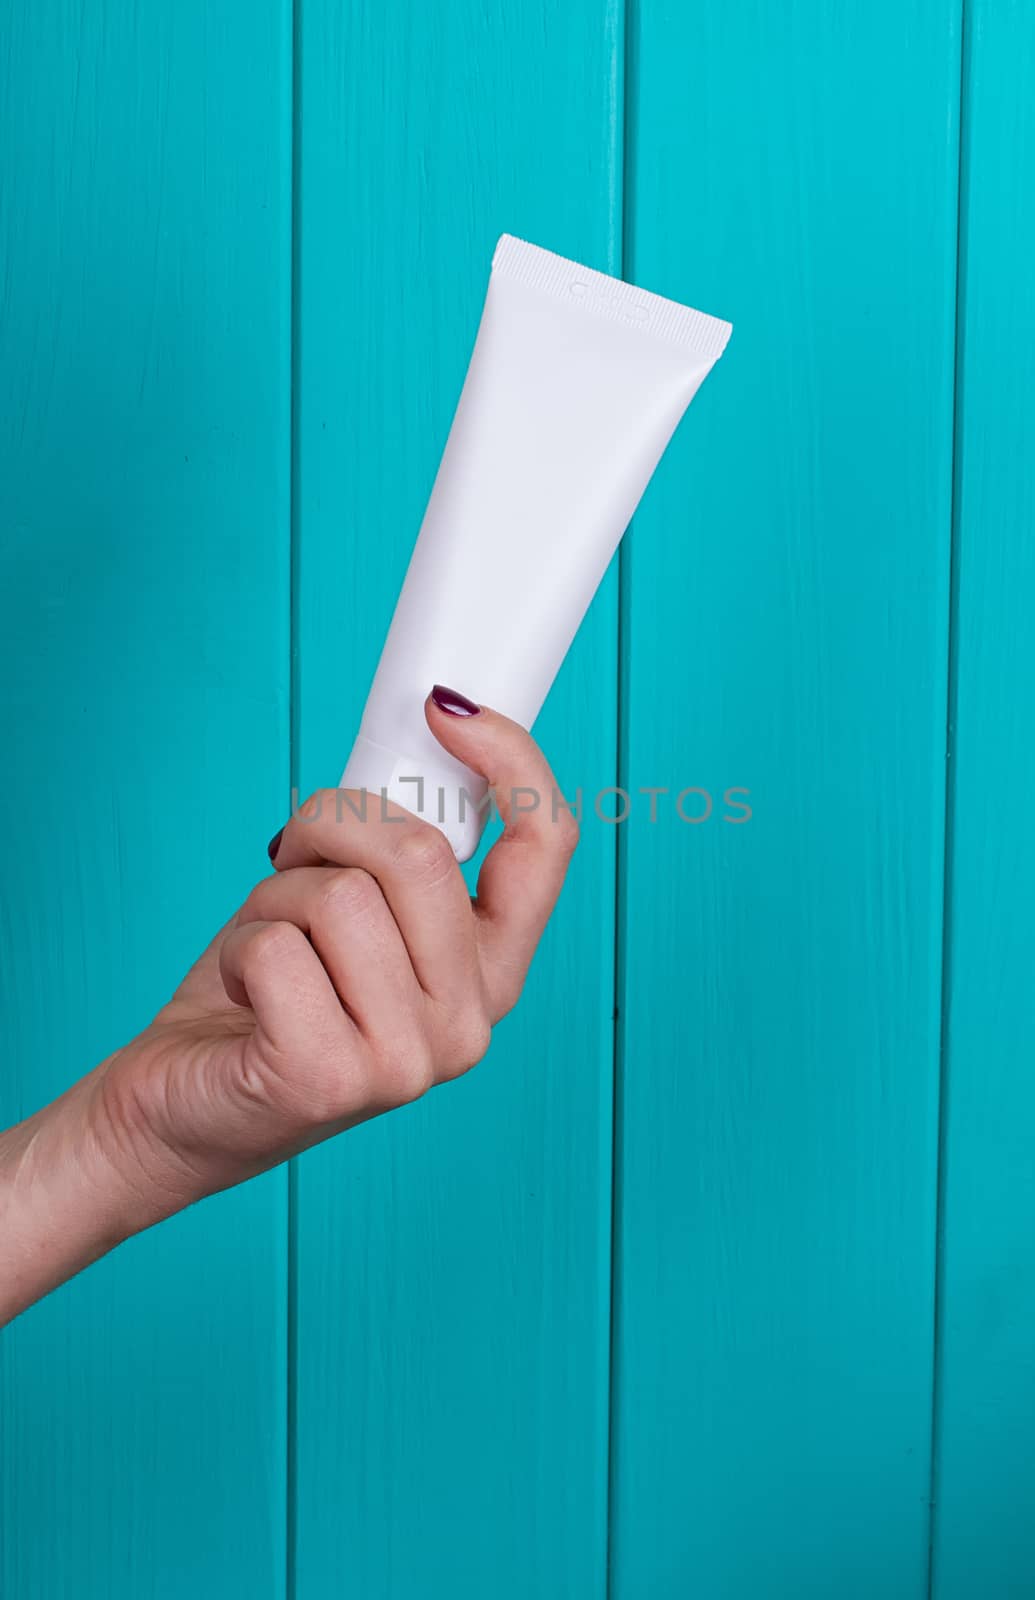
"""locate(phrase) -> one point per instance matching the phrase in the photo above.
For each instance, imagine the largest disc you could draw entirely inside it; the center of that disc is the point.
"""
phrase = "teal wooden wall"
(717, 1278)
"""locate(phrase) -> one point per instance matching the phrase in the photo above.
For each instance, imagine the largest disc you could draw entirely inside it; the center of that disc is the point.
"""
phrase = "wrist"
(63, 1200)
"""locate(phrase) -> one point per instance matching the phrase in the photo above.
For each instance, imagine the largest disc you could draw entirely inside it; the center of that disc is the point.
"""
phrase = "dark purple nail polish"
(455, 703)
(274, 845)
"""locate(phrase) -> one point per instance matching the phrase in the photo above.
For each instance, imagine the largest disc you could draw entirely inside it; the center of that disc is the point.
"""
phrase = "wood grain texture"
(443, 1344)
(144, 354)
(985, 1467)
(453, 1260)
(794, 168)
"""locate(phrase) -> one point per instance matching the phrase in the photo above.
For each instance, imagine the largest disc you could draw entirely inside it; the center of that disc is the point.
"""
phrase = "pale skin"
(351, 981)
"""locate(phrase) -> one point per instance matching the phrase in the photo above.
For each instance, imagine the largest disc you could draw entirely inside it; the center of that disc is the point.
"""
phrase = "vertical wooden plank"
(985, 1464)
(453, 1259)
(144, 482)
(794, 168)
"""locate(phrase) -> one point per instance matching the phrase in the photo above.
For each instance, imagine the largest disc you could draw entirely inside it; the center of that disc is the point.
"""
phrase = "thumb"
(522, 874)
(526, 792)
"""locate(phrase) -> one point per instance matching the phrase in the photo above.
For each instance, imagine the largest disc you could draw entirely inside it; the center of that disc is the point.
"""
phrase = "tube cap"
(447, 794)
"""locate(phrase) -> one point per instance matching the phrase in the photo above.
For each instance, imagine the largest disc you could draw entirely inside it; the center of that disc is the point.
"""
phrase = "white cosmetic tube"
(575, 386)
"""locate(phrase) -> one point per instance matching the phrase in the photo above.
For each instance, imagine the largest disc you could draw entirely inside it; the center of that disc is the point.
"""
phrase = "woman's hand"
(351, 981)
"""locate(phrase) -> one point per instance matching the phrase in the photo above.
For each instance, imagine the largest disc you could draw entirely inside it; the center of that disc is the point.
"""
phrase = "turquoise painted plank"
(453, 1259)
(985, 1464)
(795, 169)
(144, 522)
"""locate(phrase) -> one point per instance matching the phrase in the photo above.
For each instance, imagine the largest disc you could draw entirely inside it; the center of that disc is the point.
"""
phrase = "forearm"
(62, 1201)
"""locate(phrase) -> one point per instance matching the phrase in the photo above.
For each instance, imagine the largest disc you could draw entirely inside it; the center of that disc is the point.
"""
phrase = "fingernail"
(274, 845)
(455, 703)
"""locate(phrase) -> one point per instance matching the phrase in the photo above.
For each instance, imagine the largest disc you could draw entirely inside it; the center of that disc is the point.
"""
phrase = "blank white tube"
(575, 386)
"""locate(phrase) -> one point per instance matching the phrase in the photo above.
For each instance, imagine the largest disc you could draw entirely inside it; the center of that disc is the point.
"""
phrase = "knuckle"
(413, 1072)
(568, 832)
(348, 891)
(270, 945)
(471, 1037)
(507, 989)
(425, 855)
